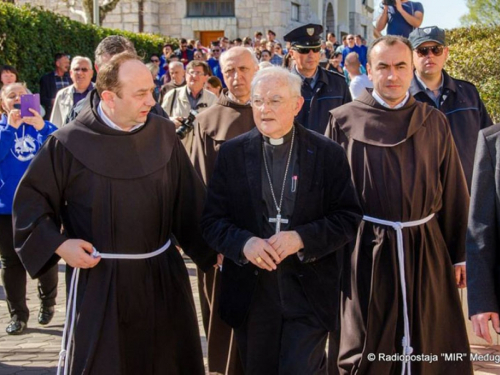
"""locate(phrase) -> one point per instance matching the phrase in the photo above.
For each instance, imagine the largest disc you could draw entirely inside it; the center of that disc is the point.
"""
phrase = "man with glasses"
(457, 99)
(321, 89)
(353, 47)
(81, 73)
(280, 205)
(213, 61)
(183, 53)
(179, 102)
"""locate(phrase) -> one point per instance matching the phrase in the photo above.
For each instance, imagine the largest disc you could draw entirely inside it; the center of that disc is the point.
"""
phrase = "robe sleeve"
(343, 213)
(453, 214)
(218, 228)
(36, 209)
(198, 152)
(190, 198)
(482, 235)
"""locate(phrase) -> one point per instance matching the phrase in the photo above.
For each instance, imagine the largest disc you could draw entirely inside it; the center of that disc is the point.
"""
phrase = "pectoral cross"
(278, 220)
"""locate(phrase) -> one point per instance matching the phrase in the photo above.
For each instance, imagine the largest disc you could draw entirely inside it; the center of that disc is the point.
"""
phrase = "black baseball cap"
(427, 34)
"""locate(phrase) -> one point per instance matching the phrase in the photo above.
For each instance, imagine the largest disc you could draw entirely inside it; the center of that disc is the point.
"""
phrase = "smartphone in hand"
(30, 101)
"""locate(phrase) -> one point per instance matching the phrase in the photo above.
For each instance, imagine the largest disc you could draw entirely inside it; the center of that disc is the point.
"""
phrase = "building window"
(204, 8)
(295, 12)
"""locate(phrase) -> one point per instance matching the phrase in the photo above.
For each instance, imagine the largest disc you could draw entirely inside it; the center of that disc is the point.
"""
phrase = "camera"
(389, 2)
(186, 124)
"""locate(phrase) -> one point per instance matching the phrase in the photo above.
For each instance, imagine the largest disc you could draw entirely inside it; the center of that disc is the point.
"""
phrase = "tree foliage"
(30, 37)
(482, 12)
(473, 57)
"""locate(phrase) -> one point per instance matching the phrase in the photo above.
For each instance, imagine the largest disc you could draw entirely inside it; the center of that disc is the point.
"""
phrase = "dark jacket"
(483, 242)
(466, 113)
(326, 216)
(330, 91)
(48, 91)
(190, 54)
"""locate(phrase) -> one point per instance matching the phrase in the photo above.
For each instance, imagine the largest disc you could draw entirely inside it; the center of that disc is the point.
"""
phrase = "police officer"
(457, 99)
(321, 89)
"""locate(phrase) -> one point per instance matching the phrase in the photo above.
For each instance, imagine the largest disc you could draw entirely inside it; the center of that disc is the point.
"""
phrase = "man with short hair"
(353, 47)
(179, 103)
(183, 53)
(81, 73)
(280, 205)
(359, 81)
(275, 59)
(118, 180)
(177, 79)
(459, 100)
(54, 81)
(321, 89)
(406, 263)
(229, 117)
(213, 61)
(271, 36)
(168, 51)
(401, 18)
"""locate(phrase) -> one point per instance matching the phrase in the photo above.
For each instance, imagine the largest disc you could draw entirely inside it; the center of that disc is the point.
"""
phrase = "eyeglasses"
(216, 50)
(196, 74)
(84, 70)
(424, 51)
(274, 103)
(155, 60)
(305, 51)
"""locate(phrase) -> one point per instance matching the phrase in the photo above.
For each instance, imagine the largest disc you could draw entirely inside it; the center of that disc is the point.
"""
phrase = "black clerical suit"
(321, 207)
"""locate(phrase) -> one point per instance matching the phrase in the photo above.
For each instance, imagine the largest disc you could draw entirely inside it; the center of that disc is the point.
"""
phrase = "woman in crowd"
(8, 74)
(20, 140)
(214, 85)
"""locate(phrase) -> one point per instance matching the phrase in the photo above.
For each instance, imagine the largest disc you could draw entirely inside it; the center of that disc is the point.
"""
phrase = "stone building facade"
(237, 18)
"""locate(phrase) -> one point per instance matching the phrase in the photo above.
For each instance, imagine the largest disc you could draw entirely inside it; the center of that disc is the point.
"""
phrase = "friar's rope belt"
(398, 227)
(67, 339)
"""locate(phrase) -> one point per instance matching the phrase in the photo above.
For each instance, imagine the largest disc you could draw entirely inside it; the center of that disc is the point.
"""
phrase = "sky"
(443, 13)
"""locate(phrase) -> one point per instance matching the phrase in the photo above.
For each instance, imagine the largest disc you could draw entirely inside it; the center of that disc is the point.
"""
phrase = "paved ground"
(36, 351)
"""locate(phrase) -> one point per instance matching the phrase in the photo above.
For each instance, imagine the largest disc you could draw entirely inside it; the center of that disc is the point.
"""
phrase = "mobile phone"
(30, 101)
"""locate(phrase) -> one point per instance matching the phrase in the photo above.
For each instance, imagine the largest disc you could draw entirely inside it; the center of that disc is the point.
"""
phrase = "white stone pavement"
(36, 351)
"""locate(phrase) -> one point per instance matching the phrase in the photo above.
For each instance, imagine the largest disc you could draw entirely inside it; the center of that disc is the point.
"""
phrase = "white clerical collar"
(381, 101)
(110, 123)
(279, 141)
(233, 98)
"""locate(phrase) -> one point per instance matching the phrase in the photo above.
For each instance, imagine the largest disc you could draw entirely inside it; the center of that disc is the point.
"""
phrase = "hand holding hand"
(76, 253)
(261, 253)
(286, 243)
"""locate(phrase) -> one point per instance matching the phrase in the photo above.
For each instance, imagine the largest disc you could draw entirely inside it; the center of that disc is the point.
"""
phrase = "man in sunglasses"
(321, 89)
(458, 99)
(81, 73)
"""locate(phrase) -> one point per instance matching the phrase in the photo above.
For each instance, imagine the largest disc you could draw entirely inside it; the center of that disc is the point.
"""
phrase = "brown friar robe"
(219, 123)
(405, 166)
(124, 192)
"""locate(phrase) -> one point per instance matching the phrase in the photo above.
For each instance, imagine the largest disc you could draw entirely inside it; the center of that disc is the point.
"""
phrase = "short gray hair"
(77, 59)
(112, 45)
(175, 64)
(236, 51)
(278, 73)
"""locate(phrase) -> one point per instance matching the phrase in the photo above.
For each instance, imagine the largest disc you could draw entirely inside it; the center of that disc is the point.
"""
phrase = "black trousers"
(281, 334)
(14, 276)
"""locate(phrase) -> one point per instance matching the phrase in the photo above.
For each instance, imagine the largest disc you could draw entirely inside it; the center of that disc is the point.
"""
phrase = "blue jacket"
(17, 148)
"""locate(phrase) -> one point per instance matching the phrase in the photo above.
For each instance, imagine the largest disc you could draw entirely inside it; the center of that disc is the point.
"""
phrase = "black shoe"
(45, 315)
(15, 327)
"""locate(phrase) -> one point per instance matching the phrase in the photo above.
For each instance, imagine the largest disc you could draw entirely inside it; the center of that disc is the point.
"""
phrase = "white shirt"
(358, 85)
(381, 101)
(110, 123)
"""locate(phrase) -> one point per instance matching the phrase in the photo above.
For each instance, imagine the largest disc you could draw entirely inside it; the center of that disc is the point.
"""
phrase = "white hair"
(175, 64)
(77, 59)
(280, 74)
(236, 51)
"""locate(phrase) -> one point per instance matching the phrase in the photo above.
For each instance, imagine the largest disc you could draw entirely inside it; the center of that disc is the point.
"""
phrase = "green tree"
(482, 12)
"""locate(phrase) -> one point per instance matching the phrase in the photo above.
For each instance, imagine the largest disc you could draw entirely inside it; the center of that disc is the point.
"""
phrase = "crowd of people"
(322, 189)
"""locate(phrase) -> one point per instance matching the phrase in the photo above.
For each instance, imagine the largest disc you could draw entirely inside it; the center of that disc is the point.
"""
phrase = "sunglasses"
(85, 70)
(155, 60)
(424, 51)
(305, 51)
